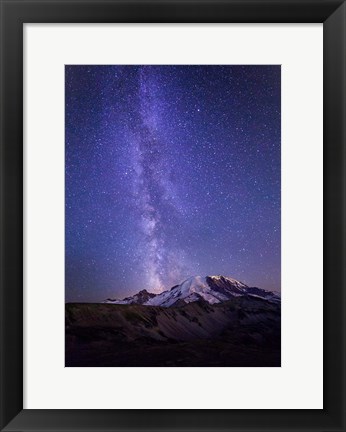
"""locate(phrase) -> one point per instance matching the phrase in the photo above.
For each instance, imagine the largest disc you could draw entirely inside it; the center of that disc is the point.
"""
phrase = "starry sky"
(171, 171)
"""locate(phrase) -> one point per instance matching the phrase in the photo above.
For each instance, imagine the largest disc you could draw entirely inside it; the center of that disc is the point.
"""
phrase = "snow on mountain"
(213, 289)
(140, 298)
(268, 295)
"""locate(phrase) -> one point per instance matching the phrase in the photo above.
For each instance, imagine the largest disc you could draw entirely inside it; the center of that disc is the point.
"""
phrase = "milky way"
(171, 171)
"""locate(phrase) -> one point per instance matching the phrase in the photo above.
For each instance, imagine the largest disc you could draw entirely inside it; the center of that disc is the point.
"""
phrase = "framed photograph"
(172, 215)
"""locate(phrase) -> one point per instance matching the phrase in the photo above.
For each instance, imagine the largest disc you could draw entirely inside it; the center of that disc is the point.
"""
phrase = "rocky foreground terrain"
(243, 330)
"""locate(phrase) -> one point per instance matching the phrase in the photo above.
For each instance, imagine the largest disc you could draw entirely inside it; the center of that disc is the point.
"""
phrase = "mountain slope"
(243, 331)
(140, 298)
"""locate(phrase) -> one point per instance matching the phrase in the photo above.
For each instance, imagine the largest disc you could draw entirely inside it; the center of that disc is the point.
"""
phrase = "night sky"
(171, 171)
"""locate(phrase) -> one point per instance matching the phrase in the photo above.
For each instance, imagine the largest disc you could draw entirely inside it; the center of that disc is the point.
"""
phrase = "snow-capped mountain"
(140, 298)
(213, 289)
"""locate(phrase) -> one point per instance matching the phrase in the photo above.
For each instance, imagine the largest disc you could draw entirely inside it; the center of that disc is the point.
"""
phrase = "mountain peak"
(140, 298)
(227, 278)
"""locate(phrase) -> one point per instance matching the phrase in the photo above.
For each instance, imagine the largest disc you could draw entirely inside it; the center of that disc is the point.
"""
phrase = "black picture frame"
(14, 13)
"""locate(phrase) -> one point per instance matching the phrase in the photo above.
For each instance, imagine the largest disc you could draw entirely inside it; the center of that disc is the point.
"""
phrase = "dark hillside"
(244, 331)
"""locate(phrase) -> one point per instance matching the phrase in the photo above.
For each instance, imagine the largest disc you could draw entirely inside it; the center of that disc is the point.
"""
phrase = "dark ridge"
(243, 331)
